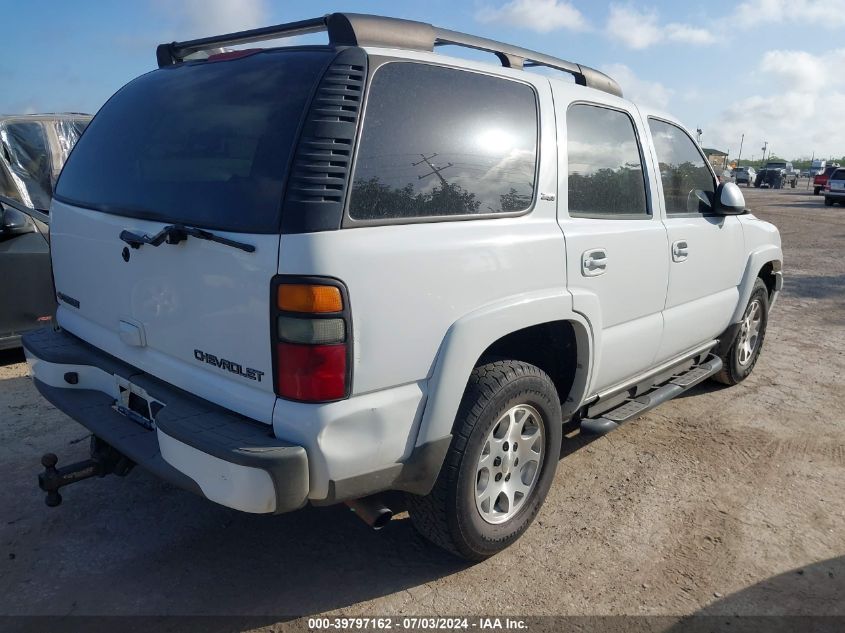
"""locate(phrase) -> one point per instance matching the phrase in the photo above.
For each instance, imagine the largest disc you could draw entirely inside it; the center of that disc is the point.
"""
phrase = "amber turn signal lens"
(309, 298)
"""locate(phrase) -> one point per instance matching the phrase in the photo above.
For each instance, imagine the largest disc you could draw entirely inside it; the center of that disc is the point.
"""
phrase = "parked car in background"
(817, 167)
(820, 180)
(26, 285)
(33, 149)
(745, 175)
(834, 190)
(726, 176)
(805, 173)
(776, 174)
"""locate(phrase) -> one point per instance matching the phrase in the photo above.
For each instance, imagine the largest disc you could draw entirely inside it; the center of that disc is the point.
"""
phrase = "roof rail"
(355, 29)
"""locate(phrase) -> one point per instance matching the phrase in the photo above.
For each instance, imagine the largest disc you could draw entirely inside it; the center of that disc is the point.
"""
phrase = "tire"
(450, 515)
(737, 362)
(816, 190)
(828, 202)
(793, 183)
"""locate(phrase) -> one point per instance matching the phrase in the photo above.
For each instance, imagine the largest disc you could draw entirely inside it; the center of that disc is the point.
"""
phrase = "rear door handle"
(680, 251)
(594, 262)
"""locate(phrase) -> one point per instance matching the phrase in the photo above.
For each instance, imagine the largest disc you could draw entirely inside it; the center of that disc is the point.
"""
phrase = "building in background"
(717, 158)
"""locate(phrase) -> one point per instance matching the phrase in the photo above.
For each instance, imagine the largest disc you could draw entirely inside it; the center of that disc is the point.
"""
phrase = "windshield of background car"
(203, 143)
(26, 163)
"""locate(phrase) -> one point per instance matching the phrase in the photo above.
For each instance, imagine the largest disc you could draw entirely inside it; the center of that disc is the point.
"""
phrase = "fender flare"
(469, 336)
(756, 260)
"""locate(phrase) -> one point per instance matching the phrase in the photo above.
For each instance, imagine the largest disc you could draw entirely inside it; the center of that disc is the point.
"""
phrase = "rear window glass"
(839, 175)
(204, 143)
(439, 142)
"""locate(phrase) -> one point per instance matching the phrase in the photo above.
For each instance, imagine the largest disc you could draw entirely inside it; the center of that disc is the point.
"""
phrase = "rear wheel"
(739, 360)
(816, 190)
(828, 202)
(500, 465)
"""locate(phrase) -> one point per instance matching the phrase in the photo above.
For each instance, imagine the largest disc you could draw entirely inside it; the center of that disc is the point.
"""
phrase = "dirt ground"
(724, 501)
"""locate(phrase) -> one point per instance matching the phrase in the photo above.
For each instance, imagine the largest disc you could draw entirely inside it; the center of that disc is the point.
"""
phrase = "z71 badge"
(228, 365)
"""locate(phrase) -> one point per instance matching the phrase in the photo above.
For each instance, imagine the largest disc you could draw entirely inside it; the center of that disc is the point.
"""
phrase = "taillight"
(311, 334)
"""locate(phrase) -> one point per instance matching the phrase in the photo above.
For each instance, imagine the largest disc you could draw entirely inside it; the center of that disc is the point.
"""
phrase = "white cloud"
(641, 29)
(803, 94)
(827, 13)
(542, 16)
(642, 92)
(689, 34)
(800, 70)
(196, 18)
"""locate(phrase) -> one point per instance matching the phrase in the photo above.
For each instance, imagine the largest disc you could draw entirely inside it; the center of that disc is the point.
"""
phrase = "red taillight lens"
(311, 372)
(312, 338)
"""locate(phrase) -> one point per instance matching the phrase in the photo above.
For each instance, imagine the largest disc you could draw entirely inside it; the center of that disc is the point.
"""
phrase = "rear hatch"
(205, 145)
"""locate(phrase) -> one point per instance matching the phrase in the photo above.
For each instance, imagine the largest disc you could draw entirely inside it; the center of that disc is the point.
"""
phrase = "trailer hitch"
(104, 460)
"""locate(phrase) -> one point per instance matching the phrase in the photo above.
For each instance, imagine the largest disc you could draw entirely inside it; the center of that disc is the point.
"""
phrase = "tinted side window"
(439, 142)
(688, 185)
(605, 169)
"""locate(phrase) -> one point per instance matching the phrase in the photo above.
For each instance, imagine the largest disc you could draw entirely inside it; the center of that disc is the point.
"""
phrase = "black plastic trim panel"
(319, 175)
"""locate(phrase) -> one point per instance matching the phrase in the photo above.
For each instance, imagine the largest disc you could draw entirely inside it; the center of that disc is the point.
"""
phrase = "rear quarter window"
(203, 143)
(441, 142)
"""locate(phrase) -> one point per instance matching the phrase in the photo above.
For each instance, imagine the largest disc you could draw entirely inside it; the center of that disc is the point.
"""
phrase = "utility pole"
(698, 134)
(739, 158)
(435, 171)
(765, 145)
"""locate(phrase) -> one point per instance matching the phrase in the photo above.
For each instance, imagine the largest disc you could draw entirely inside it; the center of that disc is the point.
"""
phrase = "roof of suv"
(352, 29)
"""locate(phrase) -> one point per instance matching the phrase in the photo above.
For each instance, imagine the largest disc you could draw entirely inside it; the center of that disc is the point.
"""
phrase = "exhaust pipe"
(371, 510)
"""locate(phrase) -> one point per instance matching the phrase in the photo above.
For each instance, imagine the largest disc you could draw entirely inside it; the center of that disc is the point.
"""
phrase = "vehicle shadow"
(796, 600)
(815, 286)
(11, 356)
(708, 386)
(142, 547)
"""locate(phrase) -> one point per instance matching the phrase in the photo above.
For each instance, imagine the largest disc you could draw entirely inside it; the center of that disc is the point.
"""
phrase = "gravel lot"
(723, 501)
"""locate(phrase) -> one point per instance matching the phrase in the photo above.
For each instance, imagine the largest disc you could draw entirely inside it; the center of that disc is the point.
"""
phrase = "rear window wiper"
(175, 233)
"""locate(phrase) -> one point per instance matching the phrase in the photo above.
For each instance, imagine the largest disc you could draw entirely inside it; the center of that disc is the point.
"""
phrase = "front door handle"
(680, 251)
(594, 262)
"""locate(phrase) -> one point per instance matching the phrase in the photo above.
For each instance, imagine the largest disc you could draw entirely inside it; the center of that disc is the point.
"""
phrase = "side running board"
(637, 406)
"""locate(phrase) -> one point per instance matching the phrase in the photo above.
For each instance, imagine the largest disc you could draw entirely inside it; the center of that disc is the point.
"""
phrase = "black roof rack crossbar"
(354, 29)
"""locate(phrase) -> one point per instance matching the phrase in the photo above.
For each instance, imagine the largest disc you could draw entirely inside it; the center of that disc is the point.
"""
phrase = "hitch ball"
(50, 475)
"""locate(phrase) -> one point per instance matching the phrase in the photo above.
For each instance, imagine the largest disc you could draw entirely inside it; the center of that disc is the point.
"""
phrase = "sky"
(770, 70)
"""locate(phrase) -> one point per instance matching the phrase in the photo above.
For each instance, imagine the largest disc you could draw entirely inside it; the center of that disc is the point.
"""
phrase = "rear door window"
(202, 143)
(606, 178)
(443, 142)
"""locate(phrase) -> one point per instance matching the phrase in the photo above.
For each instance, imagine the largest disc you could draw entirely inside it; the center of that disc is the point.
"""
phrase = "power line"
(435, 171)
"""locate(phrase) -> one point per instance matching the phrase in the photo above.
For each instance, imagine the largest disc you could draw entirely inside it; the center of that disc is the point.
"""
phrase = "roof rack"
(355, 29)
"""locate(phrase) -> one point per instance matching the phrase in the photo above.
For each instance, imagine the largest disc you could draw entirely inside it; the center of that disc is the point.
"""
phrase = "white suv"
(317, 273)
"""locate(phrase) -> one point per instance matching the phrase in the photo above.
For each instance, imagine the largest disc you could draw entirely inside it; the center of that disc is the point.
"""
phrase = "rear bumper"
(196, 445)
(839, 194)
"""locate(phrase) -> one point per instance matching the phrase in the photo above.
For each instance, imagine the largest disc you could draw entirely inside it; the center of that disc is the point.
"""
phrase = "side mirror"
(16, 222)
(729, 199)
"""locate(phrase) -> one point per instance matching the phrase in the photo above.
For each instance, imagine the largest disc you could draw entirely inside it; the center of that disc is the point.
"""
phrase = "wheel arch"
(764, 263)
(499, 329)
